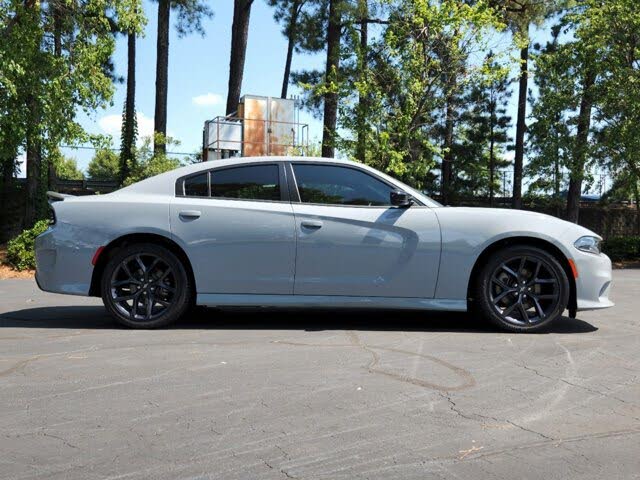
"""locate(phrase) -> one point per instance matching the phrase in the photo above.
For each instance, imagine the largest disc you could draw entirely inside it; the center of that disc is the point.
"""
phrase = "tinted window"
(197, 186)
(256, 182)
(339, 186)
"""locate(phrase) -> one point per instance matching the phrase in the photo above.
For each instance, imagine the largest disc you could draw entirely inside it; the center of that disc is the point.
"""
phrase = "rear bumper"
(63, 265)
(594, 281)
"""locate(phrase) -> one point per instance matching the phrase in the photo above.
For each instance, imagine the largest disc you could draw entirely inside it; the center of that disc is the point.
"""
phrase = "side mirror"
(401, 199)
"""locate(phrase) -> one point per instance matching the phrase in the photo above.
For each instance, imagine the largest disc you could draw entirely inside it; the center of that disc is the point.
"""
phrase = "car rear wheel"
(522, 289)
(145, 286)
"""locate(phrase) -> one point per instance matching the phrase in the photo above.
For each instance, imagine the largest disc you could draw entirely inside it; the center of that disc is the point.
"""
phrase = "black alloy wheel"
(145, 286)
(522, 288)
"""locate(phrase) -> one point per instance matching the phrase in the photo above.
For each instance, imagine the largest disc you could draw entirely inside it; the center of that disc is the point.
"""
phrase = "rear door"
(237, 227)
(351, 241)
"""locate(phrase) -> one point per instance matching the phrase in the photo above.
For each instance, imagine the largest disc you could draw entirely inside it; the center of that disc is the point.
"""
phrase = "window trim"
(180, 185)
(298, 198)
(282, 179)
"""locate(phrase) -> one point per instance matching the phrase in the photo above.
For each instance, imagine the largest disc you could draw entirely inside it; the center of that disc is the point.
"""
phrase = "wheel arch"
(130, 239)
(523, 241)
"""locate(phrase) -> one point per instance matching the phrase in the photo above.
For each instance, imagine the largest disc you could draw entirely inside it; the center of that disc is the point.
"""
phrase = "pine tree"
(191, 13)
(291, 14)
(129, 130)
(549, 132)
(485, 130)
(520, 15)
(332, 77)
(239, 38)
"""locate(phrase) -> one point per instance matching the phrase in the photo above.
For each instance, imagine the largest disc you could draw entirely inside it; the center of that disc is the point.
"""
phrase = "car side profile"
(313, 232)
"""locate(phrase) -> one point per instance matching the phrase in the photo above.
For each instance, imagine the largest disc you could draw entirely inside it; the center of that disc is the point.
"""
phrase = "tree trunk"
(6, 189)
(447, 159)
(331, 77)
(239, 36)
(292, 33)
(363, 106)
(57, 30)
(34, 164)
(556, 169)
(33, 147)
(520, 128)
(636, 194)
(129, 121)
(162, 76)
(491, 163)
(580, 151)
(57, 51)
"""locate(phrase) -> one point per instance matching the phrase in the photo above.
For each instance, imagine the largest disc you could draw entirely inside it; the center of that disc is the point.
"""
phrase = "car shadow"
(96, 317)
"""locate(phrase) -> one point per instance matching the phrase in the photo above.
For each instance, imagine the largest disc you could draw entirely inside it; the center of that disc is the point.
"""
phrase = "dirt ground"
(7, 272)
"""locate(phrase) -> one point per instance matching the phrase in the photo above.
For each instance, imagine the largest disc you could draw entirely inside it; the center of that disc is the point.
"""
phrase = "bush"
(622, 248)
(149, 164)
(20, 251)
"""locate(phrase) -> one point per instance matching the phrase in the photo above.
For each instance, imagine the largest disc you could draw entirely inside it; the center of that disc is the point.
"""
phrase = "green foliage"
(520, 14)
(484, 132)
(20, 250)
(66, 168)
(304, 19)
(55, 62)
(412, 94)
(128, 137)
(622, 248)
(553, 110)
(610, 31)
(104, 165)
(190, 14)
(314, 149)
(148, 165)
(415, 68)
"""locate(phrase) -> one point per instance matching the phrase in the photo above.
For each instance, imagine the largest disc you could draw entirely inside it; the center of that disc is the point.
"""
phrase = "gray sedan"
(311, 232)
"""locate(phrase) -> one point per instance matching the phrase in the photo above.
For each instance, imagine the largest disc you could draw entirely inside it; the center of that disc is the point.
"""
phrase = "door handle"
(190, 214)
(312, 224)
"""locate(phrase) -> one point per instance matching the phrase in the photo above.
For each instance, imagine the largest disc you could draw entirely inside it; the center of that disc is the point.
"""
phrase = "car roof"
(243, 160)
(164, 183)
(158, 184)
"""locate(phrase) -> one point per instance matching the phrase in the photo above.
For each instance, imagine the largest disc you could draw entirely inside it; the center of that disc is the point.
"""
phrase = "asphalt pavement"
(269, 394)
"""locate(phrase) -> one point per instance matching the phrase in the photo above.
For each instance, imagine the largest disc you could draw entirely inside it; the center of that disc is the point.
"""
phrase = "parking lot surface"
(324, 395)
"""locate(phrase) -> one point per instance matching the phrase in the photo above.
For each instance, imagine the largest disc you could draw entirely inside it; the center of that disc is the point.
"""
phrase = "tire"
(522, 289)
(163, 283)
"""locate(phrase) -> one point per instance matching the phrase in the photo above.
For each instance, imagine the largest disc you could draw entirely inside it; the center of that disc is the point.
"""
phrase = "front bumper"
(594, 281)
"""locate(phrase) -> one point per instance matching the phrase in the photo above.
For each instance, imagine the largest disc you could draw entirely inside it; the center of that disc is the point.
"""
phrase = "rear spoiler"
(57, 197)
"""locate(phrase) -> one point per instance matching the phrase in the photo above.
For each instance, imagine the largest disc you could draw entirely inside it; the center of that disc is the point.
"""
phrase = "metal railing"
(273, 142)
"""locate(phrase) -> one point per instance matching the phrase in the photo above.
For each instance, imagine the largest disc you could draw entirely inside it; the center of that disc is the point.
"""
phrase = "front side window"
(335, 185)
(254, 182)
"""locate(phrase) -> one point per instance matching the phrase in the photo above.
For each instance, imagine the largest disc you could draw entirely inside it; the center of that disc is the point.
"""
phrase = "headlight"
(588, 244)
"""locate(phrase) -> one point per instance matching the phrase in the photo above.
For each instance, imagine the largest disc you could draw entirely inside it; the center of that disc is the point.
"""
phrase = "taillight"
(96, 256)
(52, 216)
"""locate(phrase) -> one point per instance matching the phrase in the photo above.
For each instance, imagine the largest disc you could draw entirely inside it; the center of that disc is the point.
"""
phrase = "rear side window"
(197, 186)
(334, 185)
(254, 182)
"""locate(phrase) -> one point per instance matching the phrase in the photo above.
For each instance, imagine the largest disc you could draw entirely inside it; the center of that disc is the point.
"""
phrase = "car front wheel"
(522, 289)
(145, 286)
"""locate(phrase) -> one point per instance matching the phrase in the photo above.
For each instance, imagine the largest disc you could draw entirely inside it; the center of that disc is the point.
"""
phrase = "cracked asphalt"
(324, 395)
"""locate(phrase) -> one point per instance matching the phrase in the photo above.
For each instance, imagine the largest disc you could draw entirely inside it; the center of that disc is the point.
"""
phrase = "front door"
(352, 242)
(237, 228)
